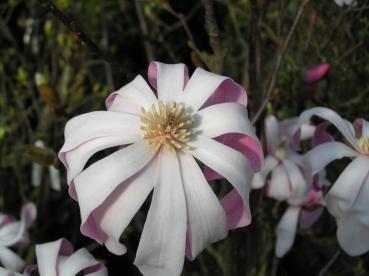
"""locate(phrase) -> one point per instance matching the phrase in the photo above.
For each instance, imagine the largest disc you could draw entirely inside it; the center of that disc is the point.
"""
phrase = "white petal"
(280, 187)
(96, 124)
(206, 218)
(272, 134)
(119, 209)
(162, 246)
(322, 155)
(345, 190)
(258, 181)
(77, 158)
(229, 163)
(79, 260)
(54, 178)
(220, 119)
(342, 125)
(14, 232)
(353, 225)
(36, 174)
(353, 234)
(10, 260)
(298, 184)
(100, 179)
(170, 81)
(131, 97)
(5, 272)
(200, 87)
(47, 256)
(286, 230)
(365, 130)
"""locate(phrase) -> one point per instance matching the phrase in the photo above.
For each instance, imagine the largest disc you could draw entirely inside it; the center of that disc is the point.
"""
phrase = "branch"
(254, 52)
(144, 30)
(278, 61)
(74, 28)
(330, 263)
(213, 32)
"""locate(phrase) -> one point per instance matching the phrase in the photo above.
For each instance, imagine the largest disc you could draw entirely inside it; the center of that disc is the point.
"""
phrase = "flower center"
(364, 145)
(166, 125)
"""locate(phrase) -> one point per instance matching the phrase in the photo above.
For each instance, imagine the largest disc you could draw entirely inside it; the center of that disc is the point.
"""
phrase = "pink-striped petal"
(161, 249)
(206, 219)
(169, 80)
(205, 88)
(99, 180)
(114, 215)
(131, 97)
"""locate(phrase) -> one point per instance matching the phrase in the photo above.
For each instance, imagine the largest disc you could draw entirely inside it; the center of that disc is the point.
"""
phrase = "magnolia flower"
(159, 137)
(57, 259)
(285, 177)
(14, 233)
(347, 200)
(37, 171)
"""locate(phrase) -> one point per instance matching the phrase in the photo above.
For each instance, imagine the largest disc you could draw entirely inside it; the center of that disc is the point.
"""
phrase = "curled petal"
(341, 124)
(57, 259)
(345, 191)
(229, 163)
(206, 220)
(286, 231)
(168, 79)
(113, 216)
(100, 179)
(162, 246)
(131, 97)
(237, 213)
(14, 232)
(322, 155)
(10, 260)
(205, 88)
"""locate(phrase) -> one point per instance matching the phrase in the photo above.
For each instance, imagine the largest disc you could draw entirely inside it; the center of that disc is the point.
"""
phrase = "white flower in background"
(348, 198)
(161, 136)
(284, 177)
(14, 233)
(37, 172)
(341, 3)
(58, 259)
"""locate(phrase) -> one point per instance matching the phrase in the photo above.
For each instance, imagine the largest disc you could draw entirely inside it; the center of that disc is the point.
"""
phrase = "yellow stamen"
(166, 125)
(364, 145)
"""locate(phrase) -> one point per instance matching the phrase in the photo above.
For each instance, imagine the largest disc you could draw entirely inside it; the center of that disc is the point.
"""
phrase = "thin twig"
(105, 43)
(213, 32)
(144, 30)
(278, 62)
(325, 269)
(74, 28)
(254, 52)
(192, 43)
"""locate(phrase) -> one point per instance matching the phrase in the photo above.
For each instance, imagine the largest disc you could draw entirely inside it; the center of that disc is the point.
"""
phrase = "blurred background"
(62, 58)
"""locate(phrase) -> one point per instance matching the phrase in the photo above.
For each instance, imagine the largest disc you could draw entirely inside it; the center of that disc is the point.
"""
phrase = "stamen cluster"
(364, 145)
(166, 125)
